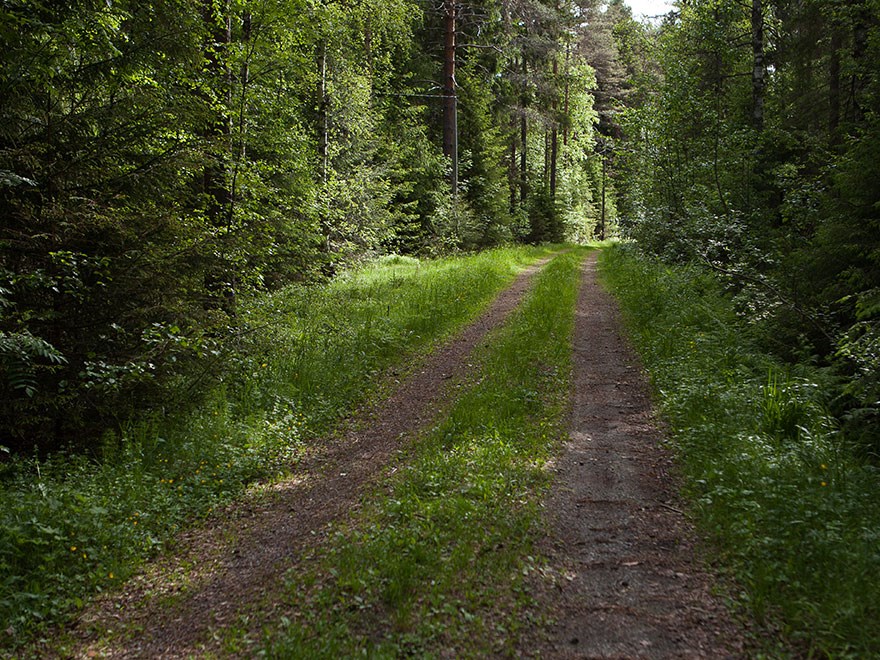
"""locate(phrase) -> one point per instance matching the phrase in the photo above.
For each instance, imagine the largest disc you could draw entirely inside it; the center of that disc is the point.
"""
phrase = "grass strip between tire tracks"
(435, 563)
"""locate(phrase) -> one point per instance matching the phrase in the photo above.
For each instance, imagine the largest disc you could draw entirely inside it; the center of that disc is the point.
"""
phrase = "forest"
(188, 185)
(162, 162)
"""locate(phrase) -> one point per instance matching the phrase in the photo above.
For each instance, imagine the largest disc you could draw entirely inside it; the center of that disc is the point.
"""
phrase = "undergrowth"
(72, 525)
(794, 514)
(436, 563)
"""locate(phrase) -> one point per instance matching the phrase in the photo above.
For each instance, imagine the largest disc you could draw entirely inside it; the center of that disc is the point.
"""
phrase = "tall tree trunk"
(323, 97)
(546, 181)
(219, 278)
(834, 85)
(450, 99)
(524, 136)
(512, 170)
(242, 110)
(218, 129)
(602, 220)
(861, 23)
(758, 66)
(567, 92)
(554, 137)
(246, 28)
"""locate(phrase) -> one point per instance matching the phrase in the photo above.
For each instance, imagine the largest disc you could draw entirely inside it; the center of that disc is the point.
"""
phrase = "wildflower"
(823, 483)
(823, 466)
(73, 548)
(110, 575)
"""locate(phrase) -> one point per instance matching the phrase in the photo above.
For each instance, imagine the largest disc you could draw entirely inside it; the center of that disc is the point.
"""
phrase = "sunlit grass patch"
(794, 514)
(436, 563)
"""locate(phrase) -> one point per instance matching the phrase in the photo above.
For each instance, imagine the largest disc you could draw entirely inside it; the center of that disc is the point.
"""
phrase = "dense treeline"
(755, 150)
(161, 161)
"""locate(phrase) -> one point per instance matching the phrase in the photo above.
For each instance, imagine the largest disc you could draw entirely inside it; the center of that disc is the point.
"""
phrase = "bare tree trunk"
(546, 181)
(323, 114)
(242, 119)
(758, 66)
(834, 85)
(602, 220)
(246, 26)
(523, 138)
(861, 21)
(567, 91)
(450, 99)
(512, 170)
(218, 130)
(219, 278)
(554, 138)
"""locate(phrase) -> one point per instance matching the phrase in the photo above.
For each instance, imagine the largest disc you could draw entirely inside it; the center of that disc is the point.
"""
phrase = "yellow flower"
(823, 466)
(73, 548)
(824, 484)
(110, 575)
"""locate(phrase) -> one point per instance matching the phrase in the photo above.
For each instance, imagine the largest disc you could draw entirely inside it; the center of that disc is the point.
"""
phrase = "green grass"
(71, 526)
(794, 515)
(435, 564)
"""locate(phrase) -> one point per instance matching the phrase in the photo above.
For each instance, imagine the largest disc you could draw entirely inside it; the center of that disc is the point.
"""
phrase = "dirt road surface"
(229, 573)
(627, 582)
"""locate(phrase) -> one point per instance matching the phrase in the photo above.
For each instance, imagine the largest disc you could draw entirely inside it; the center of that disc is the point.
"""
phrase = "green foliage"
(546, 224)
(786, 210)
(20, 354)
(790, 508)
(311, 355)
(162, 161)
(441, 550)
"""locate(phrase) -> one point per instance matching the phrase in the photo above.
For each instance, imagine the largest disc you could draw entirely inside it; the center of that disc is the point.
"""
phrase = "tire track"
(624, 580)
(228, 573)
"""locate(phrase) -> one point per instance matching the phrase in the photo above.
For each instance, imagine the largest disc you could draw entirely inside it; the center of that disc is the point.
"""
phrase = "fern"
(20, 354)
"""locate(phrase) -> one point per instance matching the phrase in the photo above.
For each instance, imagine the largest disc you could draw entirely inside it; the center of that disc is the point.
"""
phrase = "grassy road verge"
(793, 513)
(435, 563)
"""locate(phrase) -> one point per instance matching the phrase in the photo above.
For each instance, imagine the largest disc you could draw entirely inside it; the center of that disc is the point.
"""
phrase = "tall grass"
(435, 565)
(795, 515)
(71, 526)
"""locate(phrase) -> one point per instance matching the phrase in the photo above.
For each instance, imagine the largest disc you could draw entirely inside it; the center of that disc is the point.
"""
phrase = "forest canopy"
(756, 154)
(162, 163)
